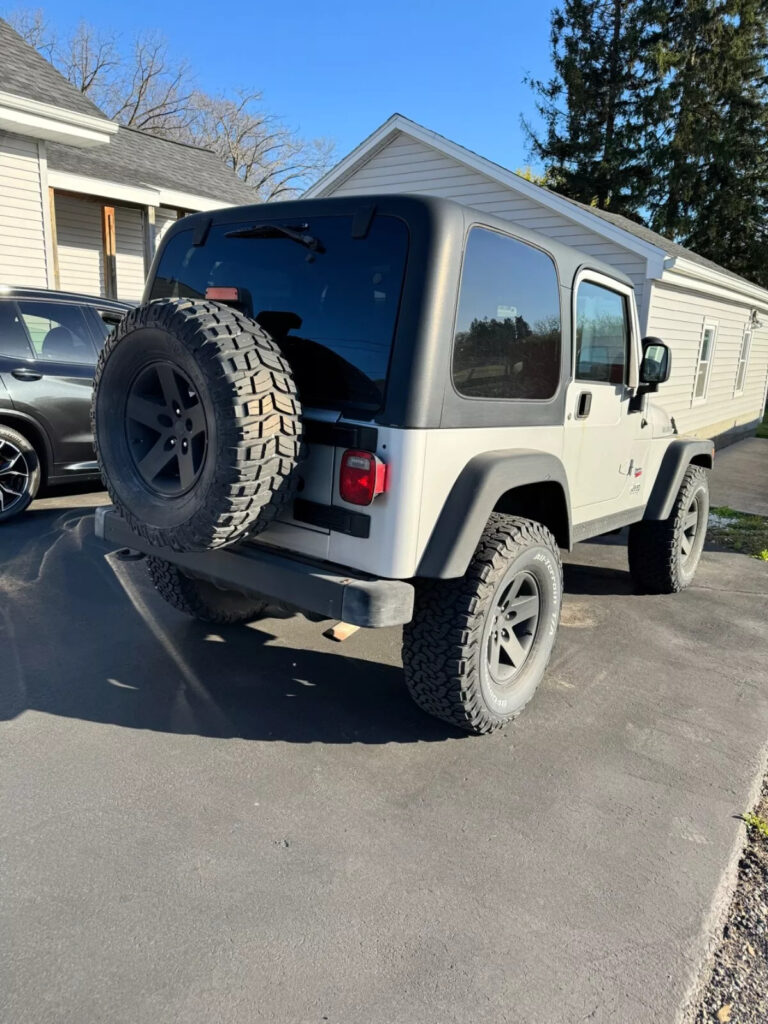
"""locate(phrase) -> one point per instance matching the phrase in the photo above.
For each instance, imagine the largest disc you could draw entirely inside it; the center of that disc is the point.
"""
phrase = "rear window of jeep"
(331, 300)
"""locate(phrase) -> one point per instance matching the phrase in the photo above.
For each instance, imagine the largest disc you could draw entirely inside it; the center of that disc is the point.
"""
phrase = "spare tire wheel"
(197, 424)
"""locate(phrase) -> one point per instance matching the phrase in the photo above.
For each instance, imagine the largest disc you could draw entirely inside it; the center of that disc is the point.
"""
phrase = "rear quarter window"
(508, 330)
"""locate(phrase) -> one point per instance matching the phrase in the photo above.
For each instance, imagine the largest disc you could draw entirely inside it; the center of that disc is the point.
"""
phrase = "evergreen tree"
(589, 107)
(710, 158)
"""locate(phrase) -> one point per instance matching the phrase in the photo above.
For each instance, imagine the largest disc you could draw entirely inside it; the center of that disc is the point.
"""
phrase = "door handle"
(24, 373)
(583, 405)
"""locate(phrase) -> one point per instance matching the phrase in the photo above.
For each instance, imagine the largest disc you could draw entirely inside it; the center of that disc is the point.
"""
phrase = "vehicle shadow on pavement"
(86, 637)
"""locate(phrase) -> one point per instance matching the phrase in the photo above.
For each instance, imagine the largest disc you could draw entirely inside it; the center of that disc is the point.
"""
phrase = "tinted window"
(602, 334)
(58, 331)
(333, 311)
(507, 342)
(13, 337)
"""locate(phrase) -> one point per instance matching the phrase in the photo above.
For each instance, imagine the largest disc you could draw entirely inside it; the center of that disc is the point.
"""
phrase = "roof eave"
(682, 272)
(24, 116)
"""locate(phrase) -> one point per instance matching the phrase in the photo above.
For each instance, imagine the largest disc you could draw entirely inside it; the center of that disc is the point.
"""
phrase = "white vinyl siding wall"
(129, 255)
(80, 246)
(23, 248)
(407, 165)
(677, 316)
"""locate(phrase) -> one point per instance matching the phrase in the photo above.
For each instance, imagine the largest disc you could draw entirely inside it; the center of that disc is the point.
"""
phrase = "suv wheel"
(477, 647)
(200, 598)
(664, 554)
(19, 473)
(197, 424)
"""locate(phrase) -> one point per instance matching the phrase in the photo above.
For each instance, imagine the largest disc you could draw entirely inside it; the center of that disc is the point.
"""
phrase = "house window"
(602, 334)
(741, 372)
(704, 364)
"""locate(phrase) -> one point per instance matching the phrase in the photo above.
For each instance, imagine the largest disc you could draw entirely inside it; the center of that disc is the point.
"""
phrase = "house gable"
(406, 164)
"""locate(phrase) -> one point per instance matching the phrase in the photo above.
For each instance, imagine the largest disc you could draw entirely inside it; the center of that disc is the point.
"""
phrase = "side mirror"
(656, 365)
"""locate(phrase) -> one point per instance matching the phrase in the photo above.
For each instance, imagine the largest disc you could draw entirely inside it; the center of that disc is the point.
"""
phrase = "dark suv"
(49, 342)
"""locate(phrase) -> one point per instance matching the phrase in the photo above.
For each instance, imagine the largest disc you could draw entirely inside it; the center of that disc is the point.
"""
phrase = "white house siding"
(163, 220)
(677, 316)
(22, 222)
(79, 243)
(129, 254)
(407, 165)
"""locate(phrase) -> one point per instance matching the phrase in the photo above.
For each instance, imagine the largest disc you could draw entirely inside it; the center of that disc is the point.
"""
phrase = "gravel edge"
(734, 985)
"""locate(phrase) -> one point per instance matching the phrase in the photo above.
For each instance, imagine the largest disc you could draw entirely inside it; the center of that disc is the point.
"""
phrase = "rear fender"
(490, 481)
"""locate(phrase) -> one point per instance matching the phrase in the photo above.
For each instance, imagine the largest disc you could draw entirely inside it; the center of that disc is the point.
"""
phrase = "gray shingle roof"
(654, 238)
(24, 72)
(135, 158)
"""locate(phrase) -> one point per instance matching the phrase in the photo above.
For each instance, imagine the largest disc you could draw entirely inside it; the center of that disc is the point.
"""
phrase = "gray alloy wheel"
(512, 628)
(19, 473)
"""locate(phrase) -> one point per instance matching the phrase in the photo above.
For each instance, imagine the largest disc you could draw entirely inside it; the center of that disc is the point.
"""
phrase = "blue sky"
(338, 69)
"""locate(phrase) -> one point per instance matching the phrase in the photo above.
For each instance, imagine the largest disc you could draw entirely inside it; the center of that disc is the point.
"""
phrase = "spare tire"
(197, 424)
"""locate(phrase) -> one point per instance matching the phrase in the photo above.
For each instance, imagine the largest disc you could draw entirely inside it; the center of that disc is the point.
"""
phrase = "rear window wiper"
(296, 234)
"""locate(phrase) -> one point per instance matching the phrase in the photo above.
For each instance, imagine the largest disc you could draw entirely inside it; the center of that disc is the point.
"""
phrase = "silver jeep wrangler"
(392, 410)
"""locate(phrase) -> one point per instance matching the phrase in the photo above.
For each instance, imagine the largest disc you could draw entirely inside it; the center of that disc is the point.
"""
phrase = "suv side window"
(13, 338)
(602, 334)
(58, 331)
(508, 337)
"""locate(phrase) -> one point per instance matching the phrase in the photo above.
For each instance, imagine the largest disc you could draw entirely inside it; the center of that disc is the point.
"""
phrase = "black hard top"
(446, 215)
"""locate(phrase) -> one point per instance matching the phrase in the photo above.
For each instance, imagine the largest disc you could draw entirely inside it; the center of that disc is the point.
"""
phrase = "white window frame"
(743, 361)
(709, 325)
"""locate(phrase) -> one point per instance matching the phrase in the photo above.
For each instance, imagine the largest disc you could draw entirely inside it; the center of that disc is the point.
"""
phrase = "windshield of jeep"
(333, 310)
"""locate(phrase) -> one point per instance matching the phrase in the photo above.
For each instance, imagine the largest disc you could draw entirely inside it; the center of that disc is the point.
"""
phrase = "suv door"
(47, 360)
(604, 447)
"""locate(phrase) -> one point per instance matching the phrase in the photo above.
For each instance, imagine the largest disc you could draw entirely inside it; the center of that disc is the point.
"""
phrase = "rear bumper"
(309, 586)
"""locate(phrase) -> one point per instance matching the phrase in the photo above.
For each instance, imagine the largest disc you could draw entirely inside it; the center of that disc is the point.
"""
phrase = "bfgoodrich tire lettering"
(448, 647)
(201, 599)
(664, 554)
(224, 411)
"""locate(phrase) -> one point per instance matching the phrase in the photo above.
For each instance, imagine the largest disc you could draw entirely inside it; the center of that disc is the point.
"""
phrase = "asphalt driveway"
(256, 824)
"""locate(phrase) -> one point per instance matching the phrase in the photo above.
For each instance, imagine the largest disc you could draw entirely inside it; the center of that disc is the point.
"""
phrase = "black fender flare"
(677, 458)
(485, 479)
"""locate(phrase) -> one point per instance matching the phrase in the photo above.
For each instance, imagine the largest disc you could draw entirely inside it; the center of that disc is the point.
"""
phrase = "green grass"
(756, 823)
(745, 533)
(762, 430)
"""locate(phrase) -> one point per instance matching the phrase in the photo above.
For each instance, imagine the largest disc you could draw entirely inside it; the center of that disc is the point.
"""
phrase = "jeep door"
(604, 445)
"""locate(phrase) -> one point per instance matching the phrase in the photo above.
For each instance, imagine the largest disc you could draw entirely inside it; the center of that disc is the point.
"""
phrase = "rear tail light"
(221, 294)
(362, 477)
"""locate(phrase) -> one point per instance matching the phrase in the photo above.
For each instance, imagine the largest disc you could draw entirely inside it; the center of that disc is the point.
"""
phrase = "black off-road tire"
(19, 473)
(661, 560)
(239, 403)
(201, 599)
(446, 646)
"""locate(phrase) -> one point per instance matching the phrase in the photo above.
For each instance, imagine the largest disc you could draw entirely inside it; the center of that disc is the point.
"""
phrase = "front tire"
(664, 554)
(477, 647)
(19, 473)
(201, 599)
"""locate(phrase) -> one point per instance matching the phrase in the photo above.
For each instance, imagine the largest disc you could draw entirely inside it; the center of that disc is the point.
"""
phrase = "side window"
(507, 342)
(602, 334)
(741, 372)
(13, 338)
(704, 364)
(58, 331)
